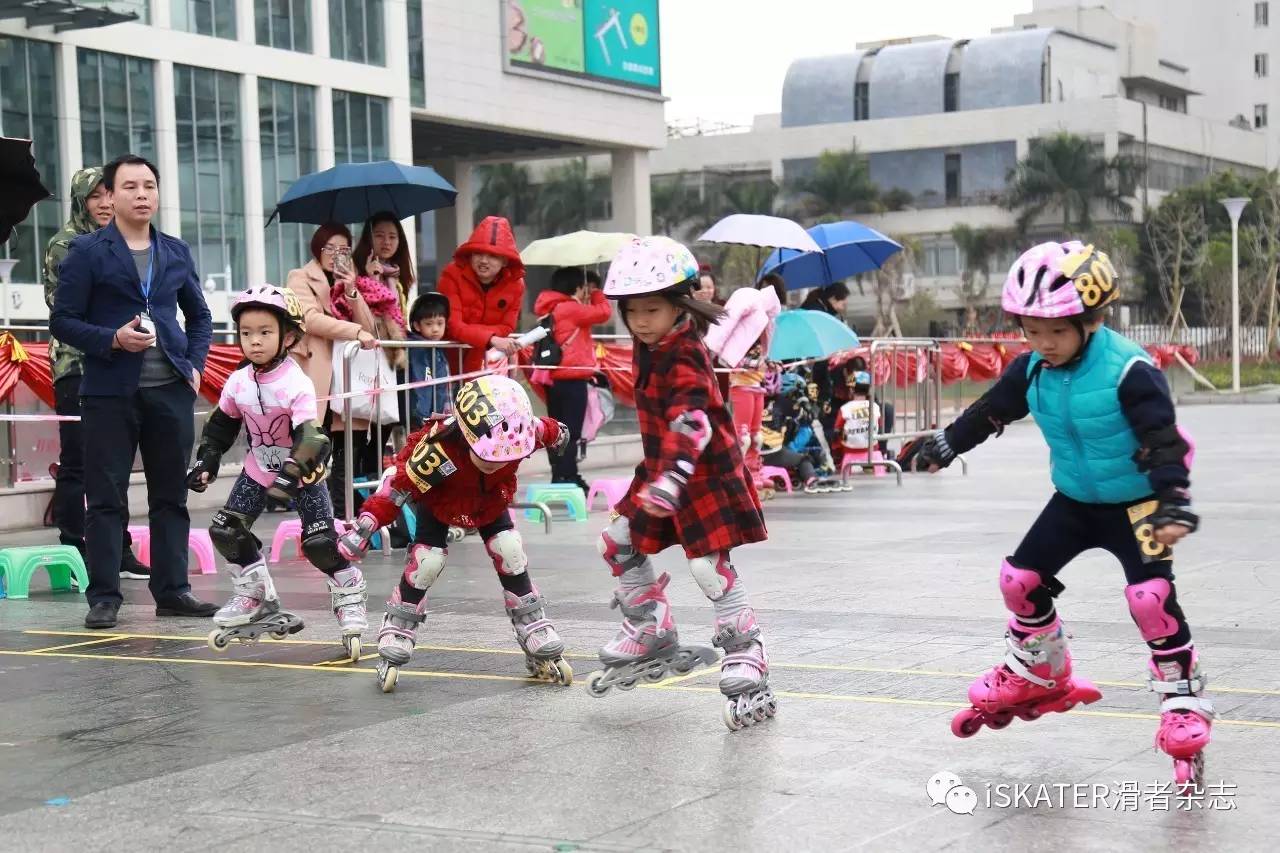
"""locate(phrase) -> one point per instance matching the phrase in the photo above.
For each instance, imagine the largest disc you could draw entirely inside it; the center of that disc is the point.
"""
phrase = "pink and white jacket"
(749, 317)
(270, 405)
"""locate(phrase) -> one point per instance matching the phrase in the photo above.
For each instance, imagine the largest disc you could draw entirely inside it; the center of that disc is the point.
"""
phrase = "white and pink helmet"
(496, 419)
(649, 265)
(1060, 280)
(277, 300)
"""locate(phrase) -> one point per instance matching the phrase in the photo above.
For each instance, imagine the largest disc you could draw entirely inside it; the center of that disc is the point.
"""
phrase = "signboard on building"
(612, 41)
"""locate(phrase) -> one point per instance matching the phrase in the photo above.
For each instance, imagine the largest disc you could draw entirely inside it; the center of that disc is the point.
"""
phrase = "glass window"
(952, 171)
(28, 109)
(417, 60)
(951, 92)
(861, 101)
(355, 31)
(285, 24)
(1261, 14)
(287, 129)
(117, 110)
(206, 17)
(210, 170)
(359, 128)
(1260, 116)
(1259, 65)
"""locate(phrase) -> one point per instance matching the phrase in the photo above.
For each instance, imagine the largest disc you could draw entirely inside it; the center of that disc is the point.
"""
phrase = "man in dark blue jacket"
(119, 291)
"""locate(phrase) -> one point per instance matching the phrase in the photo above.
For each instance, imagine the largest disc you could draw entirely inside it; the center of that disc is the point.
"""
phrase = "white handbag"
(369, 367)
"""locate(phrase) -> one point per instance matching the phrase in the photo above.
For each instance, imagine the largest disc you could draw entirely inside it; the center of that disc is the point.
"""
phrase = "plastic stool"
(857, 458)
(614, 489)
(770, 472)
(141, 536)
(290, 530)
(565, 493)
(17, 565)
(198, 540)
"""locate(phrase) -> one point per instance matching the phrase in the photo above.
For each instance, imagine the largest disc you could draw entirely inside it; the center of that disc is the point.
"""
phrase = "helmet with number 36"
(1060, 280)
(496, 419)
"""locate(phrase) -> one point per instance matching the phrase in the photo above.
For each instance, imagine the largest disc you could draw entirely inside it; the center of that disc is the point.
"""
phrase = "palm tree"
(505, 190)
(749, 197)
(839, 185)
(674, 204)
(1069, 173)
(569, 197)
(979, 246)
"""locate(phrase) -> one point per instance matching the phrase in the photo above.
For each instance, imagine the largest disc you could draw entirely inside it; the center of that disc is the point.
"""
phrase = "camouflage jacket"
(67, 360)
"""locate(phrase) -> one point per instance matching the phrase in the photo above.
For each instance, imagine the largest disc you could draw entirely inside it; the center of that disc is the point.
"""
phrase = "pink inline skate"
(1035, 679)
(1186, 717)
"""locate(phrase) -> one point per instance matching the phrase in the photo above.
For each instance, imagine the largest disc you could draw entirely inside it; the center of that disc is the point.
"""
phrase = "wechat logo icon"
(945, 788)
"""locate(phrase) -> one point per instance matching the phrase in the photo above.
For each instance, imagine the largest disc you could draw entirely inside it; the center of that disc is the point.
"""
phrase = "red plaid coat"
(719, 509)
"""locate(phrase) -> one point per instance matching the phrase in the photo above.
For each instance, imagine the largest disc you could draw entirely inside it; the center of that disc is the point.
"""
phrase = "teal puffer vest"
(1077, 408)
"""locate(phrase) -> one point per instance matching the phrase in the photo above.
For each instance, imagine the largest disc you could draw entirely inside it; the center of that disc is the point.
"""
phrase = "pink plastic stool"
(854, 459)
(769, 472)
(290, 530)
(198, 540)
(614, 489)
(141, 535)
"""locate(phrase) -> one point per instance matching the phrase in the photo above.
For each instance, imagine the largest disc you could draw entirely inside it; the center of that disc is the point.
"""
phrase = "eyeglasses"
(336, 250)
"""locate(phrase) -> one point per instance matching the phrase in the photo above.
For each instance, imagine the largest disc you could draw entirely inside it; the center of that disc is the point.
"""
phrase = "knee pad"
(716, 577)
(506, 549)
(1017, 586)
(615, 546)
(320, 546)
(231, 536)
(424, 565)
(1154, 608)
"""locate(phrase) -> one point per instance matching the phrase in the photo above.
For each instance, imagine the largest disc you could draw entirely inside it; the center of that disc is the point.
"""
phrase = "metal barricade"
(906, 373)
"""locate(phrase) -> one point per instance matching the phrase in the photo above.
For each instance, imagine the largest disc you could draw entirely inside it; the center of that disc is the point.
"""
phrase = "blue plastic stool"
(563, 493)
(17, 565)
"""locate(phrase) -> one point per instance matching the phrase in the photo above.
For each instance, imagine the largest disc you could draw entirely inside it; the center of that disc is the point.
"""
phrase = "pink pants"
(748, 414)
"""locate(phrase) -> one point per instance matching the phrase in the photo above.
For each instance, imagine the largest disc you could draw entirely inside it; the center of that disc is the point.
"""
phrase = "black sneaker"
(102, 615)
(132, 568)
(185, 605)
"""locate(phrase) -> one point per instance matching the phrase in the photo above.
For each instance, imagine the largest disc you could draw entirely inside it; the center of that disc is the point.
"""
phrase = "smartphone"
(342, 267)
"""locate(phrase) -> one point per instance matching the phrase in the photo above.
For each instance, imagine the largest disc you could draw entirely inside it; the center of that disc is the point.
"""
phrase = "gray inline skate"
(397, 637)
(744, 672)
(543, 648)
(648, 646)
(254, 610)
(347, 596)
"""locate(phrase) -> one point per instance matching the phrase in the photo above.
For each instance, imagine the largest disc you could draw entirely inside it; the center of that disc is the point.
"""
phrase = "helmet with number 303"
(1060, 280)
(496, 419)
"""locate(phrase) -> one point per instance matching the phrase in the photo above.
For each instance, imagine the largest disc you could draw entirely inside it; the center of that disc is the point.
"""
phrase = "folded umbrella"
(352, 192)
(579, 249)
(848, 248)
(801, 334)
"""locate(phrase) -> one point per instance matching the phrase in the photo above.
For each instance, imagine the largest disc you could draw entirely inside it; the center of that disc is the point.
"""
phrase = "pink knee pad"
(1016, 585)
(1147, 606)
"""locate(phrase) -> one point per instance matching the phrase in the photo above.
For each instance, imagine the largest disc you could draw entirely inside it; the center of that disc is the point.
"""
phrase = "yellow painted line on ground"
(830, 667)
(99, 641)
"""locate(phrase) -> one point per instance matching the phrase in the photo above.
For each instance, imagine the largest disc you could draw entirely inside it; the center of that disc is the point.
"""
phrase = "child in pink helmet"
(462, 471)
(1121, 469)
(272, 399)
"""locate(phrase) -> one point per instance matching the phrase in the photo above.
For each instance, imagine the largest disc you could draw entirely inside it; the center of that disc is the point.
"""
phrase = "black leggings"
(567, 403)
(1067, 528)
(435, 533)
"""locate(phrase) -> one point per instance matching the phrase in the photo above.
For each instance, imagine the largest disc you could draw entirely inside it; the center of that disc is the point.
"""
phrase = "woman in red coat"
(484, 284)
(692, 490)
(574, 303)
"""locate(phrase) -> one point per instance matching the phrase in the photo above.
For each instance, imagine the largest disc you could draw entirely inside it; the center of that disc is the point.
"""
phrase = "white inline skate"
(744, 671)
(254, 610)
(347, 596)
(648, 646)
(543, 648)
(397, 637)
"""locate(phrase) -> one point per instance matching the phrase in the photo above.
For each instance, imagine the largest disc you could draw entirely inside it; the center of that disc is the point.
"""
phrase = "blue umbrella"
(848, 248)
(352, 192)
(809, 334)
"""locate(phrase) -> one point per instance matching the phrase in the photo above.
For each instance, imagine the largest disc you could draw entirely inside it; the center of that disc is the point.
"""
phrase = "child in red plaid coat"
(692, 490)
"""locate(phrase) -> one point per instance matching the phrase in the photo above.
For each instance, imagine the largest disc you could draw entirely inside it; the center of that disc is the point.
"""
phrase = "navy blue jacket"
(433, 399)
(99, 291)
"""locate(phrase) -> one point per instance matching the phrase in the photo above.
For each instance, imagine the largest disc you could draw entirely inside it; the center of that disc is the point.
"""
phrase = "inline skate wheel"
(996, 722)
(772, 707)
(388, 677)
(280, 633)
(966, 723)
(217, 641)
(653, 676)
(564, 672)
(353, 649)
(596, 686)
(730, 715)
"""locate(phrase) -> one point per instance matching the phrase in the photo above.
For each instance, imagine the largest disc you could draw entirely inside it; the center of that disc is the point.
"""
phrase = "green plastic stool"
(17, 565)
(565, 493)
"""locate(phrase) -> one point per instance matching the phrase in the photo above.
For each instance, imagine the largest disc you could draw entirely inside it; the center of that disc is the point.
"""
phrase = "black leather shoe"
(185, 605)
(102, 615)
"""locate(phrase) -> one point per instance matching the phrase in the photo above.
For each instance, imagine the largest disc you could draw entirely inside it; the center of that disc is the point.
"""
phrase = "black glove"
(1175, 508)
(934, 450)
(208, 461)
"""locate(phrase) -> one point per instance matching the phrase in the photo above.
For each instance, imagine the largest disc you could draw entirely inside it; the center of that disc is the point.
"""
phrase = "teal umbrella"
(809, 334)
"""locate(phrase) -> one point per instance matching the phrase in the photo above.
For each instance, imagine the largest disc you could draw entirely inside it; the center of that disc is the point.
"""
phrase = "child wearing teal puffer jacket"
(1121, 469)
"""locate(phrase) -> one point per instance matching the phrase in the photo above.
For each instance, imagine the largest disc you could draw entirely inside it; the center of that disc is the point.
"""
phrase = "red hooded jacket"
(572, 330)
(478, 312)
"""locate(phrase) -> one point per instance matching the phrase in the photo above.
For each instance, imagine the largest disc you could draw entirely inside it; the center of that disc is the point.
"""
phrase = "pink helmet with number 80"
(649, 265)
(496, 419)
(1060, 280)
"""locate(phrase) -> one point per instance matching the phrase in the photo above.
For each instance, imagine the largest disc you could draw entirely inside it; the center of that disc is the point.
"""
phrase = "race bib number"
(1144, 532)
(476, 410)
(429, 465)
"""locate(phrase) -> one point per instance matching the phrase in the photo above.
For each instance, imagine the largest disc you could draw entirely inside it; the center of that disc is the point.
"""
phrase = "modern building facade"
(235, 99)
(942, 122)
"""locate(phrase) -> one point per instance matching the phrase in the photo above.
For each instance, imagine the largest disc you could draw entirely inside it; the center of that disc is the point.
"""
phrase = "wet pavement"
(879, 606)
